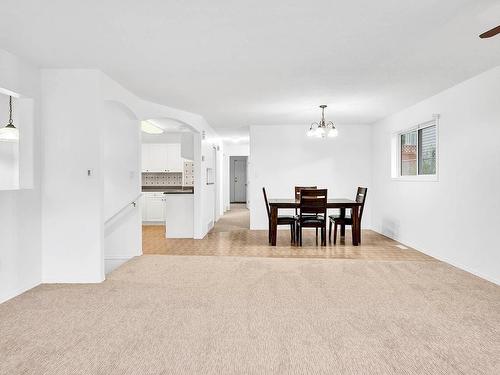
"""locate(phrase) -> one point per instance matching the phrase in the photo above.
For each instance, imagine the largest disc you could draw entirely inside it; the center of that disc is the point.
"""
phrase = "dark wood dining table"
(340, 203)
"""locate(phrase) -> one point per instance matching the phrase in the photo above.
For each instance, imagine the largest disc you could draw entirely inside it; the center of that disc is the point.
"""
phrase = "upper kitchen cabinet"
(187, 146)
(175, 163)
(161, 157)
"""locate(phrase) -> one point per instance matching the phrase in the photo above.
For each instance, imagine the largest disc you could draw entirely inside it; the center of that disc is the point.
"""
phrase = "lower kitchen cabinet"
(153, 208)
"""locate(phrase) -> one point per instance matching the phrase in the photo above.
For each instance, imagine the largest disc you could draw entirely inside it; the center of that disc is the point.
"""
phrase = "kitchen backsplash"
(188, 173)
(161, 179)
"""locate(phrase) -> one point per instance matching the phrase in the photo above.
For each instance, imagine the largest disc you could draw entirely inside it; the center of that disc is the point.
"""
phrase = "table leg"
(342, 227)
(354, 213)
(274, 225)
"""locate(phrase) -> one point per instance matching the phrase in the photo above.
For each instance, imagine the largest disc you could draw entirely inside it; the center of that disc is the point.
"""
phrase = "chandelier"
(322, 129)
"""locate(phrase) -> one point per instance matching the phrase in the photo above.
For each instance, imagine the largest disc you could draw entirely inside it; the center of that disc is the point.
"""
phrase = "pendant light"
(9, 132)
(322, 129)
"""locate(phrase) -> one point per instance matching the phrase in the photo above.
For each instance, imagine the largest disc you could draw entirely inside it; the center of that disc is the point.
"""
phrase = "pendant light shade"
(9, 133)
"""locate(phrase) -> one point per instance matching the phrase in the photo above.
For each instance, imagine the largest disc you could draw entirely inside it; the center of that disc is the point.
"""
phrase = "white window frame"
(396, 153)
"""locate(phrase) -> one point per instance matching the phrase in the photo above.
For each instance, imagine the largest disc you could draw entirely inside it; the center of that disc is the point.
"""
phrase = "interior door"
(240, 180)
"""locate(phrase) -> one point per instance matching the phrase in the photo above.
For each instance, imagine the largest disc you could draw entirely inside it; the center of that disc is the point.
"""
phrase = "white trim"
(421, 178)
(396, 153)
(121, 257)
(70, 280)
(16, 292)
(9, 93)
(444, 260)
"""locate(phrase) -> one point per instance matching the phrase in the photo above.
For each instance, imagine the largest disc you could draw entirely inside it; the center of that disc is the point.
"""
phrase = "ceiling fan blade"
(490, 33)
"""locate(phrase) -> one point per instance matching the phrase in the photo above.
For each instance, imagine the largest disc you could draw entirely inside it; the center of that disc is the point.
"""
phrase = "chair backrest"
(267, 203)
(313, 201)
(297, 194)
(361, 198)
(299, 188)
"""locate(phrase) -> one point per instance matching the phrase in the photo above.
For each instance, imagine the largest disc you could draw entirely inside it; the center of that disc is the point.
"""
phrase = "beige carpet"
(225, 315)
(237, 218)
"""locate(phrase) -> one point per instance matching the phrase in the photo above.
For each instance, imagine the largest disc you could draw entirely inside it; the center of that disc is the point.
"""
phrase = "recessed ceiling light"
(148, 127)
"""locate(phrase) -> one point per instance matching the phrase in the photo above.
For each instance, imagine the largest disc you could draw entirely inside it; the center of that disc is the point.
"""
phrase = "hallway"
(237, 218)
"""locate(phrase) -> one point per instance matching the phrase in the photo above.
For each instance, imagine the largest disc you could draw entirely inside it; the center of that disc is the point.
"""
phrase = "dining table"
(292, 203)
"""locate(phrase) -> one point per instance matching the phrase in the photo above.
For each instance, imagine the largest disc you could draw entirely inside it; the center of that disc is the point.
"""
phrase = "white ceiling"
(241, 63)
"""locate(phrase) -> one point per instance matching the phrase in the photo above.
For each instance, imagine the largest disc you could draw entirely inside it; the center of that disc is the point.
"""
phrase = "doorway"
(238, 179)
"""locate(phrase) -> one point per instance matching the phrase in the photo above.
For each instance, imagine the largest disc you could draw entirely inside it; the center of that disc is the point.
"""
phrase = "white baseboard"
(72, 281)
(446, 260)
(18, 291)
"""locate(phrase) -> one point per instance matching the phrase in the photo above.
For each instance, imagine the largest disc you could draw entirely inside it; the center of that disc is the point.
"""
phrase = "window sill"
(429, 178)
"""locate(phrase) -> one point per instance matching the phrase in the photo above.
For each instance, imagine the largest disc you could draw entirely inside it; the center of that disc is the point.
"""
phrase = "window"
(417, 152)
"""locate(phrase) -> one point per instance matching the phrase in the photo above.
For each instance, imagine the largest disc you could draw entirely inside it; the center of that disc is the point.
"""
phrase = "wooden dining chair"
(312, 213)
(297, 198)
(282, 220)
(297, 194)
(347, 220)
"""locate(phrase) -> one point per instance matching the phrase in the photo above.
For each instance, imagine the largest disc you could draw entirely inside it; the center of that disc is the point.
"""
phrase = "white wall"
(204, 195)
(9, 151)
(122, 184)
(121, 150)
(73, 203)
(9, 165)
(20, 212)
(72, 211)
(282, 157)
(456, 218)
(209, 192)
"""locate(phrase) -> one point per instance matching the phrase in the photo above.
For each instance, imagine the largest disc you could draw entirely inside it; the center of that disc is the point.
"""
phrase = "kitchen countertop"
(168, 189)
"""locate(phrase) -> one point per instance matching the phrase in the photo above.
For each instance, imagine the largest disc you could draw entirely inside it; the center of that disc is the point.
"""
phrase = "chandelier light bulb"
(333, 133)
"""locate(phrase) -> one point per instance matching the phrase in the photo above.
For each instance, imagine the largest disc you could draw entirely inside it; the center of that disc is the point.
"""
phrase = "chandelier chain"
(10, 110)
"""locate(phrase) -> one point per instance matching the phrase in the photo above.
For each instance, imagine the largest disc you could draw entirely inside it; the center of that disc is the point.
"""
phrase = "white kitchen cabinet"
(174, 159)
(146, 157)
(158, 161)
(161, 157)
(154, 209)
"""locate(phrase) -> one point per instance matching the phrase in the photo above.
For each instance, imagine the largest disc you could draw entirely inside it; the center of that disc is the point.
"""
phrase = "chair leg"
(342, 230)
(330, 232)
(335, 233)
(316, 235)
(292, 234)
(300, 236)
